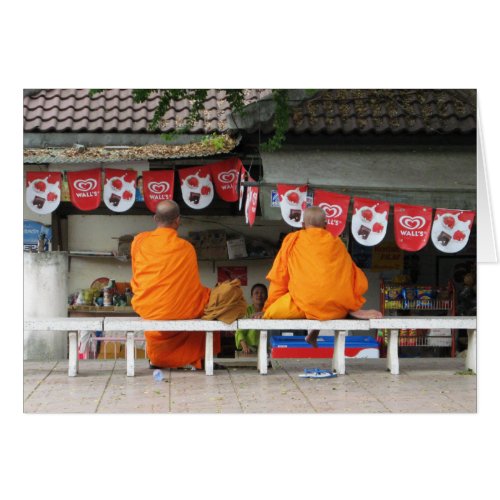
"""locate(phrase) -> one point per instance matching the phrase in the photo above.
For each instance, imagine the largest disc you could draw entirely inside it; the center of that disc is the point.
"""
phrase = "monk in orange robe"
(314, 277)
(166, 285)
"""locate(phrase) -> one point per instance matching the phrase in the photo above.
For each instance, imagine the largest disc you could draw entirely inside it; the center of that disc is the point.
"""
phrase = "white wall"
(45, 296)
(100, 232)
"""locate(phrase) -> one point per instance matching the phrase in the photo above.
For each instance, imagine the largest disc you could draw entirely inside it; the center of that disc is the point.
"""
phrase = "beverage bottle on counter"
(107, 296)
(128, 295)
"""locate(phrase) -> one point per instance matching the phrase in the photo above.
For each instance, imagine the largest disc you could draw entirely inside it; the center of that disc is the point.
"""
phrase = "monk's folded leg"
(284, 308)
(178, 349)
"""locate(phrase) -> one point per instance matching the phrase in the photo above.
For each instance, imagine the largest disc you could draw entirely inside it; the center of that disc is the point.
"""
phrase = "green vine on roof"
(281, 119)
(197, 98)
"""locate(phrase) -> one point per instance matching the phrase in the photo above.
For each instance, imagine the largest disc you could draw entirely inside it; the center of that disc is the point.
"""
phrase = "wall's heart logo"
(85, 185)
(331, 211)
(228, 177)
(412, 223)
(159, 187)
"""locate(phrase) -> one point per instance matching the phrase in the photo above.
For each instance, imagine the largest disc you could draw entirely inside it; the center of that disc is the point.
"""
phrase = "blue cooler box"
(297, 347)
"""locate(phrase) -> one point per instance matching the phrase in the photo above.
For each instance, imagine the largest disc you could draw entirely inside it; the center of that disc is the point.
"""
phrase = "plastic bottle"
(158, 375)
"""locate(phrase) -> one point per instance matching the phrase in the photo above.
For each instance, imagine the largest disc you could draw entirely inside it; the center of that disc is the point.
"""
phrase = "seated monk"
(166, 285)
(314, 277)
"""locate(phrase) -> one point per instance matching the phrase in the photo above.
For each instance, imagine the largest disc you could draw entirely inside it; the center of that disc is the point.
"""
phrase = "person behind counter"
(248, 340)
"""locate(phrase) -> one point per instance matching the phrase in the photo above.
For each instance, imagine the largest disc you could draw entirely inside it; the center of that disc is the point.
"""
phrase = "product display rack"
(419, 300)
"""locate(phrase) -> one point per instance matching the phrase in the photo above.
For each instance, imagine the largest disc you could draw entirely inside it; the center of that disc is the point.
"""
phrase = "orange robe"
(314, 277)
(166, 285)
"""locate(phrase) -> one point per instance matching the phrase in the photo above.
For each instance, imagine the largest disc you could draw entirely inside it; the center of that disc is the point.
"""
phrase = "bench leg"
(130, 354)
(392, 352)
(209, 353)
(470, 360)
(73, 354)
(338, 365)
(262, 355)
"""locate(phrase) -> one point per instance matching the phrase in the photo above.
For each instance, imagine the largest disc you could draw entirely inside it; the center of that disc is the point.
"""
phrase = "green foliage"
(217, 142)
(197, 98)
(169, 136)
(465, 372)
(281, 117)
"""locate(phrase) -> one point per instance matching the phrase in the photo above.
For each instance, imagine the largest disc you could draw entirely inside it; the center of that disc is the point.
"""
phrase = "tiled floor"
(425, 385)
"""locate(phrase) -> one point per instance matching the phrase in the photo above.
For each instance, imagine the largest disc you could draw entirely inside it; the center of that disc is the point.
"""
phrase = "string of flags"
(229, 179)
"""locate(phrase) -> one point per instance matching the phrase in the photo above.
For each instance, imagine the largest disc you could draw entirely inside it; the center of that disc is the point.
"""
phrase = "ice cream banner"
(251, 203)
(119, 189)
(292, 203)
(85, 188)
(225, 175)
(412, 226)
(243, 178)
(335, 206)
(369, 221)
(43, 191)
(196, 187)
(451, 229)
(158, 185)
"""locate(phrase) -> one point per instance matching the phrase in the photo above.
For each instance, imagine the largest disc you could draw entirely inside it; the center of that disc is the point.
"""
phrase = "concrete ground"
(424, 385)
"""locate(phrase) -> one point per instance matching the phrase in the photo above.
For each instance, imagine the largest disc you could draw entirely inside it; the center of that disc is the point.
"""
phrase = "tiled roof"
(328, 112)
(114, 110)
(385, 111)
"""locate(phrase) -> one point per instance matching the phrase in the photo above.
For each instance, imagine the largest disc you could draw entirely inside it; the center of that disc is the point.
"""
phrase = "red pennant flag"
(119, 189)
(251, 203)
(412, 225)
(243, 178)
(196, 187)
(369, 221)
(292, 203)
(336, 207)
(225, 175)
(43, 191)
(158, 185)
(85, 188)
(451, 229)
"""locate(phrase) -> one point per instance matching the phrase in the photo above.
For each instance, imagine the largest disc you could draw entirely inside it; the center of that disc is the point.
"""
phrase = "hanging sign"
(85, 188)
(369, 221)
(243, 178)
(119, 189)
(251, 203)
(196, 187)
(225, 175)
(292, 203)
(451, 229)
(336, 207)
(412, 226)
(158, 185)
(230, 273)
(43, 191)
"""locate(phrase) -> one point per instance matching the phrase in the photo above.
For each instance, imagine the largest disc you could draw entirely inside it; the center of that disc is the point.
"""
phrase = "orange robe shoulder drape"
(314, 277)
(166, 285)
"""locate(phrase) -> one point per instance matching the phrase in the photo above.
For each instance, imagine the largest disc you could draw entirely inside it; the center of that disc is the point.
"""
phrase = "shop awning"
(201, 147)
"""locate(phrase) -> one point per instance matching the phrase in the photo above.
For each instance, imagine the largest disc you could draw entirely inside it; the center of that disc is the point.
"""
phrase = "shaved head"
(167, 213)
(314, 217)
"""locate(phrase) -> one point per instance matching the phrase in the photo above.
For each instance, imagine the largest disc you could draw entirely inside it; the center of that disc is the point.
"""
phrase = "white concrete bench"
(395, 323)
(340, 327)
(70, 325)
(132, 325)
